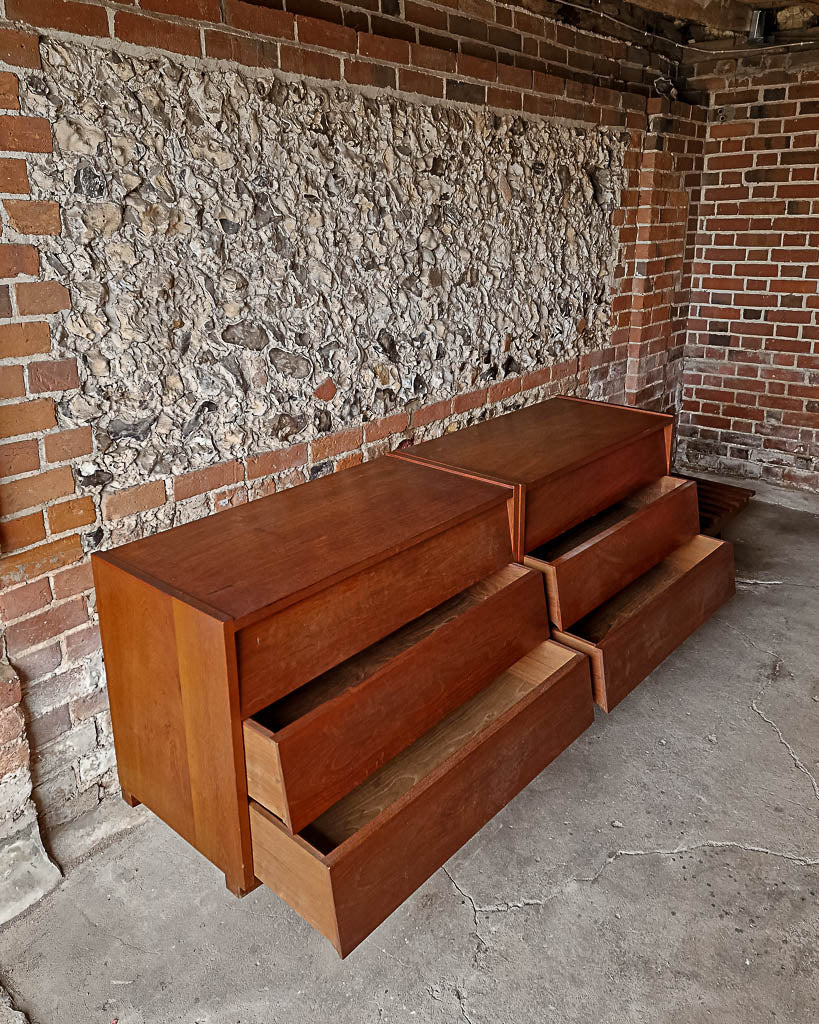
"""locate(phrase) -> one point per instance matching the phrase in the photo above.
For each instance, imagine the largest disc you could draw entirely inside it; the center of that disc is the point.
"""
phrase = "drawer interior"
(591, 529)
(639, 595)
(425, 755)
(355, 670)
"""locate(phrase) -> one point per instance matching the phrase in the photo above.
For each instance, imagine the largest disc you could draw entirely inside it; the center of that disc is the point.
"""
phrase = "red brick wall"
(666, 182)
(751, 390)
(421, 47)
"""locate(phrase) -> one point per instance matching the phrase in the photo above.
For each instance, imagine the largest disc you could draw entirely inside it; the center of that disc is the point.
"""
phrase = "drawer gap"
(590, 529)
(347, 817)
(357, 669)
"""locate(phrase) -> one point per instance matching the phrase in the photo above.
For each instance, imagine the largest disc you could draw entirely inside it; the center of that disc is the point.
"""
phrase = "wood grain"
(276, 551)
(563, 502)
(547, 450)
(589, 564)
(143, 691)
(209, 690)
(432, 749)
(286, 650)
(327, 737)
(174, 705)
(539, 442)
(293, 870)
(375, 869)
(632, 633)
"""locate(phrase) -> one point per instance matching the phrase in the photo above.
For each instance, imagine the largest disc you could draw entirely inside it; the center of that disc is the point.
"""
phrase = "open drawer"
(628, 636)
(310, 748)
(589, 564)
(363, 857)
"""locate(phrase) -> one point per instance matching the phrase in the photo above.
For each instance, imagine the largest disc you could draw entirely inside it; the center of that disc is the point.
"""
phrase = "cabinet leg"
(130, 800)
(241, 887)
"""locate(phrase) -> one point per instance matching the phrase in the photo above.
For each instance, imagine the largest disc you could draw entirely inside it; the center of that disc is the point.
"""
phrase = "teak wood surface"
(170, 607)
(307, 750)
(630, 635)
(589, 564)
(546, 451)
(246, 562)
(369, 852)
(174, 698)
(295, 644)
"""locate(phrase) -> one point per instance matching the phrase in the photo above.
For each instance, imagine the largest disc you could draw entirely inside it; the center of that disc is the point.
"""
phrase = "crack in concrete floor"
(772, 676)
(540, 901)
(749, 584)
(526, 902)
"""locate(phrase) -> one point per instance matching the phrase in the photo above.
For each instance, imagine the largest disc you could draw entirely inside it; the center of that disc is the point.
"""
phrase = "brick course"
(750, 403)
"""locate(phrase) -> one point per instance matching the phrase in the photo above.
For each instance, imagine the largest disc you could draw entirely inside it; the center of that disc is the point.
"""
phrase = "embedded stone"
(246, 335)
(290, 364)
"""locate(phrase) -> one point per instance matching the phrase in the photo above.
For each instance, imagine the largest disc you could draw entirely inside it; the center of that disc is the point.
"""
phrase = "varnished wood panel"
(539, 442)
(210, 703)
(388, 836)
(278, 550)
(293, 870)
(174, 714)
(589, 564)
(631, 634)
(327, 737)
(563, 502)
(294, 645)
(139, 647)
(569, 457)
(265, 782)
(718, 503)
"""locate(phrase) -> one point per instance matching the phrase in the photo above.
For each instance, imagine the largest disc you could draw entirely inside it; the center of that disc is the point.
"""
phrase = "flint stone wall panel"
(230, 241)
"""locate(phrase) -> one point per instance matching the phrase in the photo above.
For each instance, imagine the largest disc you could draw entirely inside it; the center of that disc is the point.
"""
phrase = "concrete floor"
(664, 868)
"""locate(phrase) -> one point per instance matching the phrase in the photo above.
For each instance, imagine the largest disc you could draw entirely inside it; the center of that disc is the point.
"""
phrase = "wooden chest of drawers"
(331, 689)
(208, 623)
(566, 460)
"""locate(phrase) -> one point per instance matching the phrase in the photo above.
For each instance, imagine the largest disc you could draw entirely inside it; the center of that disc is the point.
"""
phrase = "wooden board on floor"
(718, 502)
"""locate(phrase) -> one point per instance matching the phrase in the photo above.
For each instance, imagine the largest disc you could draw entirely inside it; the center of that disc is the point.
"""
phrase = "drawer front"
(629, 636)
(310, 749)
(424, 809)
(562, 502)
(281, 653)
(599, 558)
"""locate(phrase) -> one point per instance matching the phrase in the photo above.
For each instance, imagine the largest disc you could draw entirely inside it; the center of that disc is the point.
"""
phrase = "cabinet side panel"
(210, 702)
(139, 647)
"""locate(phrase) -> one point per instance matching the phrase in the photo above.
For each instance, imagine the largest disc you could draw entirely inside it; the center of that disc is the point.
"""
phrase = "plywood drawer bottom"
(628, 636)
(361, 859)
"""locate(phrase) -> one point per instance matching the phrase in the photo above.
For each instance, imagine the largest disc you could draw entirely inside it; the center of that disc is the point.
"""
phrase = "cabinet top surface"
(284, 546)
(531, 445)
